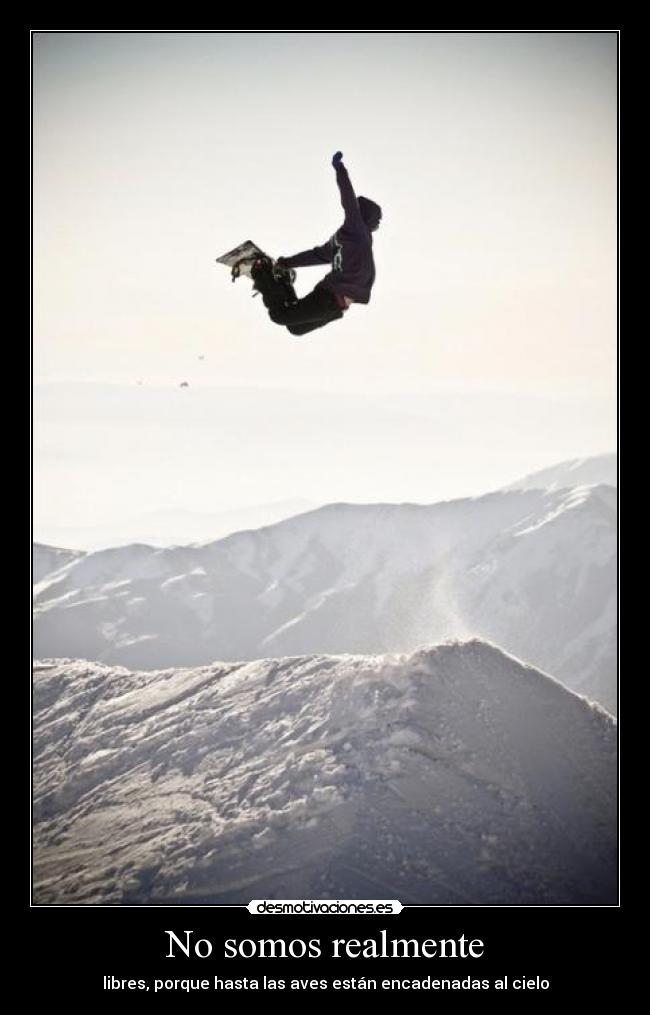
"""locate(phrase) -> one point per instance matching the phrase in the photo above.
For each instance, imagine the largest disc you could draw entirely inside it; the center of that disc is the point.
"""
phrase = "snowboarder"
(352, 275)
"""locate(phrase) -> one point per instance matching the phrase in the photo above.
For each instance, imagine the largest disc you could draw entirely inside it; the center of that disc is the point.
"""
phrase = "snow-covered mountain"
(595, 470)
(46, 559)
(455, 775)
(532, 570)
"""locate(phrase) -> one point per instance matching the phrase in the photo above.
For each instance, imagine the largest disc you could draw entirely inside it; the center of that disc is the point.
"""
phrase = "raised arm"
(348, 197)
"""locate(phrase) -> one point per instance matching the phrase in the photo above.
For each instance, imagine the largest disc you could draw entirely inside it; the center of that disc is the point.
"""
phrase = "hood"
(370, 212)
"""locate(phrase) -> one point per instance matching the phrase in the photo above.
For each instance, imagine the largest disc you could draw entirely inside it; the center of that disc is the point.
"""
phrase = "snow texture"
(454, 776)
(533, 571)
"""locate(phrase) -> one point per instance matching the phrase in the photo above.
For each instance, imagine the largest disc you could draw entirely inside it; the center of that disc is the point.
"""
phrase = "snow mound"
(453, 775)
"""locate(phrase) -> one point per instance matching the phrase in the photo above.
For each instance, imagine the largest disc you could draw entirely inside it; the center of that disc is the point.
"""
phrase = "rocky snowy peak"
(597, 469)
(46, 559)
(454, 775)
(532, 570)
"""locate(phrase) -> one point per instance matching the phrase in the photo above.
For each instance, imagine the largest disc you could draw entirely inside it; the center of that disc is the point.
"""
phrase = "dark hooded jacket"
(349, 250)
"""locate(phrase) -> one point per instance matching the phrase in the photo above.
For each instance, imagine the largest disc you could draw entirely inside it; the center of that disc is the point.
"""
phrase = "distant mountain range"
(174, 526)
(451, 776)
(530, 569)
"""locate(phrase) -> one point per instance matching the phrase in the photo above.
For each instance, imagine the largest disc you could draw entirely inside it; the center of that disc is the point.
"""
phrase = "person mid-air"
(348, 252)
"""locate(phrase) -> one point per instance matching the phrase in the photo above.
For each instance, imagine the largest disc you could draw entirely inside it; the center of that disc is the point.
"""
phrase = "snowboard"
(241, 259)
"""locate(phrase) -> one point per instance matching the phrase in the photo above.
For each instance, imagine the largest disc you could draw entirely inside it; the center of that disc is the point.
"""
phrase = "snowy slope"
(46, 559)
(595, 470)
(533, 571)
(455, 775)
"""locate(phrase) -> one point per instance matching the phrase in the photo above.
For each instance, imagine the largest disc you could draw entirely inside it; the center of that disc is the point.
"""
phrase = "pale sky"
(494, 159)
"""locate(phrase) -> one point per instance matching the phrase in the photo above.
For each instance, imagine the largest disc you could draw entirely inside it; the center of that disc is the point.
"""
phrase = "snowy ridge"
(46, 559)
(169, 527)
(593, 471)
(453, 775)
(531, 570)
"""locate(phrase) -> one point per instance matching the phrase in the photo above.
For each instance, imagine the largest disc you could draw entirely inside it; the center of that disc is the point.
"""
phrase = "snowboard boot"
(283, 279)
(261, 265)
(261, 272)
(283, 274)
(276, 291)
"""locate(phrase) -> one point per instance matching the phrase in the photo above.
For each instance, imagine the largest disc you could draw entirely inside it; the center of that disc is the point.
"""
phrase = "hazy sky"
(493, 157)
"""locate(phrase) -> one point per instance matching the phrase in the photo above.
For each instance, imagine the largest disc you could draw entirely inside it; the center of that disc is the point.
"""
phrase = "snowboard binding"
(242, 259)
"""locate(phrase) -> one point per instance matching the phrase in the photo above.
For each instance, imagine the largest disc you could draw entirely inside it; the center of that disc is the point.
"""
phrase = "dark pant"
(319, 307)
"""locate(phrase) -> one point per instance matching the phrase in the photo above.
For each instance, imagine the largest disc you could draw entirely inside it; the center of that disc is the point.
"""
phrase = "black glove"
(337, 159)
